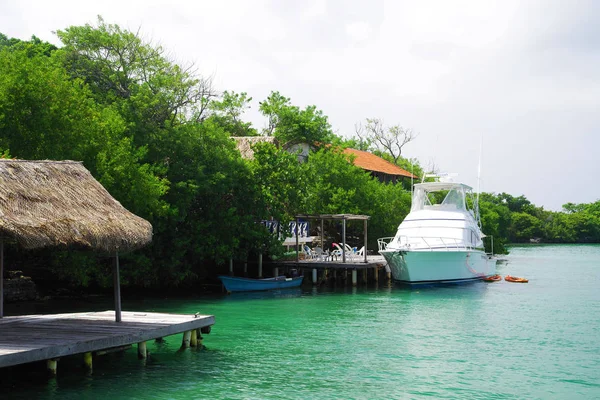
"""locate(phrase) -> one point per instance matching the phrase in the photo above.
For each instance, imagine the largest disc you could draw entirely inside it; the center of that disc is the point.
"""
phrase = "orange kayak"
(493, 278)
(509, 278)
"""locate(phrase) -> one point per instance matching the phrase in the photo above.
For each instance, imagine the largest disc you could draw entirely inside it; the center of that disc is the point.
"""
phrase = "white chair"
(338, 253)
(308, 253)
(318, 253)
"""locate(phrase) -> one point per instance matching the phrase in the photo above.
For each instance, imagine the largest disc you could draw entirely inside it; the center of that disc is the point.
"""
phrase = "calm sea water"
(539, 340)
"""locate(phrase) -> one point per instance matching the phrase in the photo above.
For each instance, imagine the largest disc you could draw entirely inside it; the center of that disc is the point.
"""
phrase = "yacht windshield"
(448, 199)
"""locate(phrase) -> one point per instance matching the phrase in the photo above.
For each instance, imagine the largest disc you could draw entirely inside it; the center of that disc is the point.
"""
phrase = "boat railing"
(426, 242)
(382, 243)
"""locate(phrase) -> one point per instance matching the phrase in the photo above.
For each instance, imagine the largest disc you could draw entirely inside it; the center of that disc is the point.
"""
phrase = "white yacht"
(440, 240)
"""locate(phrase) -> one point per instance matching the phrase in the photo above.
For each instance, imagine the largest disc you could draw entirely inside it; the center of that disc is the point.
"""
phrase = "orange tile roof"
(371, 162)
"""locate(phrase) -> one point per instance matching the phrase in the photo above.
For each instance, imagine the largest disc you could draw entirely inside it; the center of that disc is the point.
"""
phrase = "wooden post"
(376, 273)
(260, 275)
(194, 338)
(314, 276)
(297, 240)
(1, 277)
(344, 240)
(87, 361)
(365, 275)
(322, 236)
(230, 266)
(388, 272)
(142, 350)
(275, 272)
(51, 366)
(246, 268)
(187, 336)
(117, 288)
(365, 235)
(354, 277)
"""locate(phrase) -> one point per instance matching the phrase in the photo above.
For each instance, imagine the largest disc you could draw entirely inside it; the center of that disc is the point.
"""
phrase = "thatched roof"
(244, 144)
(59, 203)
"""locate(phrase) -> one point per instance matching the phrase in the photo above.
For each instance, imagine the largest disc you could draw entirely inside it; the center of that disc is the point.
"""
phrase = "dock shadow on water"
(475, 340)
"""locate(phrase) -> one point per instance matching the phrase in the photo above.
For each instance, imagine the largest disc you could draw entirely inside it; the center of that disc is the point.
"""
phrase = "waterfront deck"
(29, 338)
(356, 263)
(374, 264)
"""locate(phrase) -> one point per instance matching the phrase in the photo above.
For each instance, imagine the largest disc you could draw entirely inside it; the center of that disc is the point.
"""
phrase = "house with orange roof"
(382, 169)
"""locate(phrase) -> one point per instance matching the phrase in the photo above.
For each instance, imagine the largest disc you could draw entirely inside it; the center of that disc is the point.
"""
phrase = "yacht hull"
(430, 266)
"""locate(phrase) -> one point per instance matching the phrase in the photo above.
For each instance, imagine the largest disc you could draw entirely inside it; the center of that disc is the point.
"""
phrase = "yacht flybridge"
(440, 240)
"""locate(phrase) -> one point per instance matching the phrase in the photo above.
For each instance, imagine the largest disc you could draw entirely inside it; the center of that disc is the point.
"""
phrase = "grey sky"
(522, 76)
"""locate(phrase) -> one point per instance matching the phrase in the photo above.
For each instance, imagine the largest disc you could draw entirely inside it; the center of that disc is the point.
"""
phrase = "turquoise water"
(498, 340)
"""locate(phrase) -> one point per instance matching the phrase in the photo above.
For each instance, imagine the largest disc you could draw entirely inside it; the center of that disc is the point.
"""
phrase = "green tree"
(289, 123)
(227, 113)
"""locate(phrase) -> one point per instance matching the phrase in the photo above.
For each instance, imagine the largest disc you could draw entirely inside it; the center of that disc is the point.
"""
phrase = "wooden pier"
(374, 264)
(29, 338)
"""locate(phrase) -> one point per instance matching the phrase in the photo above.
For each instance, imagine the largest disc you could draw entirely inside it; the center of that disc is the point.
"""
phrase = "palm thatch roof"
(244, 144)
(59, 203)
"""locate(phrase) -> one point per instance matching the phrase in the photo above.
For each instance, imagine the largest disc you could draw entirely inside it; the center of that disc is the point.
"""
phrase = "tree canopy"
(158, 137)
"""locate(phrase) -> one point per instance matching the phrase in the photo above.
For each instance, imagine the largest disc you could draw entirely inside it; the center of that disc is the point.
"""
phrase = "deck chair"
(318, 253)
(338, 252)
(309, 254)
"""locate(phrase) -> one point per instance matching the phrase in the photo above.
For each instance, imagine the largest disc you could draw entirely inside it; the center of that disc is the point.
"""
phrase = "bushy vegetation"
(158, 137)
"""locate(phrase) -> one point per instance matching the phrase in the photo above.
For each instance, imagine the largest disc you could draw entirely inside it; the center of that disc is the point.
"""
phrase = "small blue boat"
(237, 284)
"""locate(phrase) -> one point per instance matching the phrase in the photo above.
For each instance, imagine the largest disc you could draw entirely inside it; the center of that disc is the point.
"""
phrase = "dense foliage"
(157, 136)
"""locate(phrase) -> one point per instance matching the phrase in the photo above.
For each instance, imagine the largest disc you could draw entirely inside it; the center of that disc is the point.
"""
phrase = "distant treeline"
(158, 137)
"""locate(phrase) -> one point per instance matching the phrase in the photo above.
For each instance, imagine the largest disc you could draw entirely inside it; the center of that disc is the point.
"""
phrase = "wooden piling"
(275, 272)
(87, 361)
(142, 350)
(51, 366)
(187, 336)
(260, 265)
(231, 267)
(314, 276)
(354, 277)
(194, 338)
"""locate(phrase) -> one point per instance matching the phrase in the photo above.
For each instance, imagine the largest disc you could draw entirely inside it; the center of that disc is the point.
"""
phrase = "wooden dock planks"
(30, 338)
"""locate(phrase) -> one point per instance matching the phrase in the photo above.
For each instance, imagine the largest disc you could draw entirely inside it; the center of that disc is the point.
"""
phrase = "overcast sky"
(522, 77)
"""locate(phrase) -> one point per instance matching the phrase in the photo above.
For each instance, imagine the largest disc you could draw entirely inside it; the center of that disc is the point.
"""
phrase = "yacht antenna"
(479, 182)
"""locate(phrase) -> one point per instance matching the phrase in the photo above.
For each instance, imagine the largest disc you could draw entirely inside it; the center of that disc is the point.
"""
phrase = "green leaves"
(289, 123)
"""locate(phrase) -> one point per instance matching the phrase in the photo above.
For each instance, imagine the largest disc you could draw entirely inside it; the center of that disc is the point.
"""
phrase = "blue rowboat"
(236, 284)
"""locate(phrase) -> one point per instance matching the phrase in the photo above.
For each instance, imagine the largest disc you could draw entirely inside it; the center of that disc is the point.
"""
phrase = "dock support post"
(51, 366)
(388, 272)
(354, 277)
(87, 361)
(275, 272)
(314, 276)
(187, 336)
(246, 268)
(365, 275)
(260, 275)
(117, 288)
(365, 236)
(1, 277)
(335, 275)
(376, 274)
(344, 240)
(142, 350)
(230, 266)
(194, 338)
